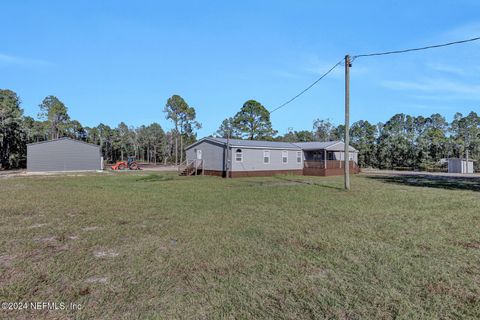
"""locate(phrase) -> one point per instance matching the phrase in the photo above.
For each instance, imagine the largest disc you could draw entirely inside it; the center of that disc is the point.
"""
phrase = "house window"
(238, 155)
(266, 157)
(299, 156)
(284, 157)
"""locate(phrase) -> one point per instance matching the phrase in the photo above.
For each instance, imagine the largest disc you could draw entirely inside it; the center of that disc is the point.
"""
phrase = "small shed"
(459, 165)
(63, 154)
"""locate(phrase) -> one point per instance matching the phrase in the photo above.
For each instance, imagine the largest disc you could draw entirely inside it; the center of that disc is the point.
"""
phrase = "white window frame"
(284, 156)
(266, 154)
(237, 154)
(299, 156)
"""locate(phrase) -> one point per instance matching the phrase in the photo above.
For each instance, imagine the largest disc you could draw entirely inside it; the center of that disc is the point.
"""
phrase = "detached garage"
(64, 154)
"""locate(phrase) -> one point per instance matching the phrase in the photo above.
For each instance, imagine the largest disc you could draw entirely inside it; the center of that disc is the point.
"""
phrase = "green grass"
(160, 246)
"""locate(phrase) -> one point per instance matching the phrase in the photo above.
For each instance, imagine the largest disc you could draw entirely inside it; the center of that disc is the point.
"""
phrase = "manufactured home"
(249, 158)
(63, 154)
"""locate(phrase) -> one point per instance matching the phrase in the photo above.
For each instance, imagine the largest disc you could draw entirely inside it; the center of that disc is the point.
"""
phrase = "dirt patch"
(45, 250)
(438, 288)
(459, 293)
(56, 247)
(72, 212)
(55, 240)
(37, 225)
(105, 254)
(47, 239)
(318, 272)
(90, 228)
(101, 280)
(469, 245)
(53, 244)
(6, 260)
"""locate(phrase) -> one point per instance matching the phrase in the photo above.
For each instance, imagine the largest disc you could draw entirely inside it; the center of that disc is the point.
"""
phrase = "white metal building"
(458, 165)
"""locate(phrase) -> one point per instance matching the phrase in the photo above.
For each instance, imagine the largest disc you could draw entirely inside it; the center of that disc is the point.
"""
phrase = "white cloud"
(470, 30)
(319, 69)
(435, 85)
(317, 66)
(445, 97)
(286, 74)
(446, 68)
(431, 108)
(7, 60)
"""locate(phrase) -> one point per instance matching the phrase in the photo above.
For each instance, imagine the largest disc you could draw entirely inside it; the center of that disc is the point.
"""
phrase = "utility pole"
(346, 155)
(176, 149)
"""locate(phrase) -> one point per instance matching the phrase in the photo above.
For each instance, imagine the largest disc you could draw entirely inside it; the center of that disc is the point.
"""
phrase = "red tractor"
(129, 164)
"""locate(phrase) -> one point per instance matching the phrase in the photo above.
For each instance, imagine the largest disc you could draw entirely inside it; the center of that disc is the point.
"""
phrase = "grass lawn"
(128, 246)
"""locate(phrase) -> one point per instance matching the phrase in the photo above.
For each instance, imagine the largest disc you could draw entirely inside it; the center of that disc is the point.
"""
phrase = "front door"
(199, 154)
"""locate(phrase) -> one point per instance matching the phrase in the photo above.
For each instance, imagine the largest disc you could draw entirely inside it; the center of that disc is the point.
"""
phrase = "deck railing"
(328, 164)
(189, 167)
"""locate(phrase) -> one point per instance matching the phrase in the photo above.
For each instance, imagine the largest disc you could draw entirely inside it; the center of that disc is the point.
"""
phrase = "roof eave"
(213, 140)
(63, 138)
(265, 147)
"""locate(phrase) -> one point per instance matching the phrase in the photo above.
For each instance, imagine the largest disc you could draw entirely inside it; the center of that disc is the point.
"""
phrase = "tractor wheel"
(133, 166)
(121, 166)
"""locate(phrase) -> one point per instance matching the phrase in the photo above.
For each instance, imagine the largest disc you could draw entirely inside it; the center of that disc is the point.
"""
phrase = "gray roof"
(329, 145)
(64, 138)
(463, 159)
(256, 143)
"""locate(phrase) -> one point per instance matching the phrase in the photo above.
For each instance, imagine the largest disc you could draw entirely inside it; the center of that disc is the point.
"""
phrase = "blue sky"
(112, 61)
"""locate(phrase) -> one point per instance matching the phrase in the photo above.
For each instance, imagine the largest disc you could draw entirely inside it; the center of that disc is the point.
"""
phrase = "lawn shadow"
(291, 178)
(155, 177)
(431, 181)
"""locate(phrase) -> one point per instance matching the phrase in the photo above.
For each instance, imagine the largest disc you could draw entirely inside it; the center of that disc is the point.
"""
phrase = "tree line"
(149, 143)
(403, 142)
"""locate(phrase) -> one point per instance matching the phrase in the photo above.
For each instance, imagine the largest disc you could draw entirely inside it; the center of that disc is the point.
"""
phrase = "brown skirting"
(256, 173)
(267, 173)
(214, 173)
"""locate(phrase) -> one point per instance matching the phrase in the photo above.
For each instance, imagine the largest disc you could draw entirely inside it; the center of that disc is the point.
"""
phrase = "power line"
(307, 88)
(371, 55)
(416, 49)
